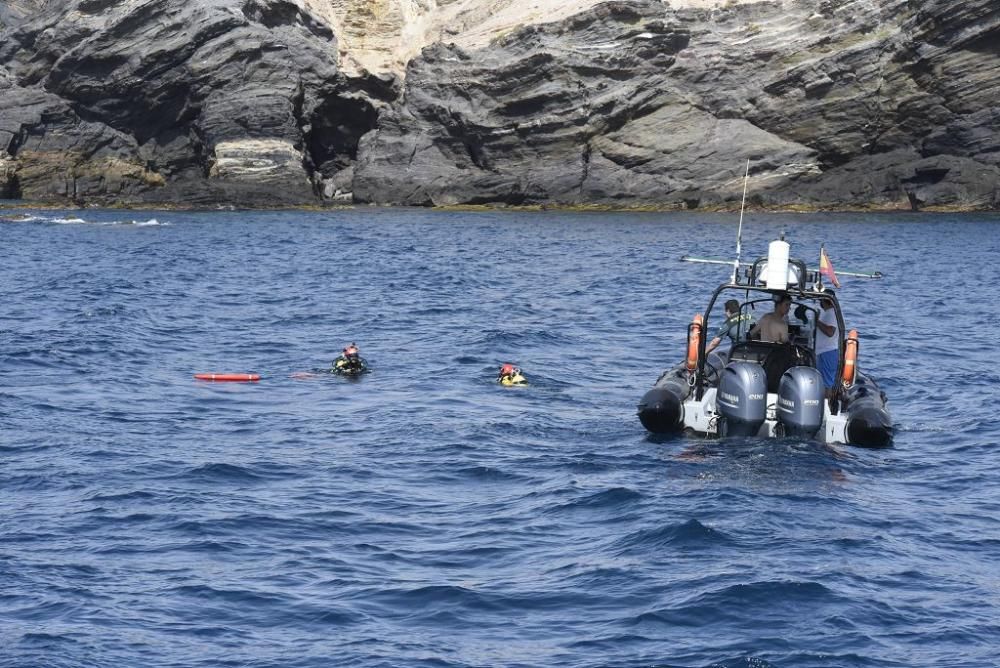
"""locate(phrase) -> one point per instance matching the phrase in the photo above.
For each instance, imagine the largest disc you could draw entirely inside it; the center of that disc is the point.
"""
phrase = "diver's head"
(351, 351)
(508, 370)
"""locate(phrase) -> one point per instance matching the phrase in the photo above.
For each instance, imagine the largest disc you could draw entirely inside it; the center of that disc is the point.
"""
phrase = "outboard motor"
(741, 399)
(800, 401)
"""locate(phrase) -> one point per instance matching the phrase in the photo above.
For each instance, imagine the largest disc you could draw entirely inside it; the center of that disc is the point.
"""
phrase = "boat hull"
(868, 422)
(860, 419)
(661, 409)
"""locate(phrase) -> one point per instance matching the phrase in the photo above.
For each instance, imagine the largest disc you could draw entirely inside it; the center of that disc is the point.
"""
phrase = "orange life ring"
(850, 358)
(694, 342)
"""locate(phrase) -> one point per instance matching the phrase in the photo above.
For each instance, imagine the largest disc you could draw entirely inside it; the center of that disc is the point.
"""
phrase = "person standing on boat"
(827, 342)
(773, 326)
(735, 327)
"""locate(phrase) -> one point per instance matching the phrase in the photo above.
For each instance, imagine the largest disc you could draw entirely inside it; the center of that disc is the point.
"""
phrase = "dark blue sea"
(425, 517)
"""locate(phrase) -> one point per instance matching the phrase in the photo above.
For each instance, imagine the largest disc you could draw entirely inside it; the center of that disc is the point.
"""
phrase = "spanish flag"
(826, 269)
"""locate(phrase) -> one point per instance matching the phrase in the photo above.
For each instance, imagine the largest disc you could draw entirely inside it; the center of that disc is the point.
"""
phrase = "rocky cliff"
(167, 101)
(863, 103)
(384, 35)
(837, 103)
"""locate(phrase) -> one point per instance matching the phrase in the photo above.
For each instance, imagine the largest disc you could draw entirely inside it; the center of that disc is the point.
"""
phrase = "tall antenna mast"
(739, 230)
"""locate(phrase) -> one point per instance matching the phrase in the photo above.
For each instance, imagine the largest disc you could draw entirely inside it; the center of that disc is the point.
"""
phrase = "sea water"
(424, 516)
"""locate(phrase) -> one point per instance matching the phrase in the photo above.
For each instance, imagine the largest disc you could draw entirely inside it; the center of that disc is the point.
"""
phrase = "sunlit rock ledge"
(637, 104)
(262, 160)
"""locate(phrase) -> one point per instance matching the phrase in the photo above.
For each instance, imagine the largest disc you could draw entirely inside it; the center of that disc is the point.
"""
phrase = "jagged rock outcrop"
(837, 103)
(851, 103)
(195, 103)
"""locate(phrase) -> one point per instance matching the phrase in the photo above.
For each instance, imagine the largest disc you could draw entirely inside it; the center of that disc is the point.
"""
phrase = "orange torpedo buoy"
(694, 342)
(850, 358)
(230, 377)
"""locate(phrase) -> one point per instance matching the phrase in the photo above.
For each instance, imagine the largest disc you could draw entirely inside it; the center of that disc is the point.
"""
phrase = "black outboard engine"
(741, 399)
(800, 401)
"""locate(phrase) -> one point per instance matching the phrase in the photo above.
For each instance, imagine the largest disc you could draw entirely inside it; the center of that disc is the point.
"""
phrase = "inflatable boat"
(770, 389)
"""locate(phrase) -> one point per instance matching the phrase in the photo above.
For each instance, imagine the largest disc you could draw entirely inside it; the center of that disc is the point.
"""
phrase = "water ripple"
(423, 516)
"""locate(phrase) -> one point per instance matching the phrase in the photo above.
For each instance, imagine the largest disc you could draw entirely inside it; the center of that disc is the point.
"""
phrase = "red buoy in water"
(229, 377)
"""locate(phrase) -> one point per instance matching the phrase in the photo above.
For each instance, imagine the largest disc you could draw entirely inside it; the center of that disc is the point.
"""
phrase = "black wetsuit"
(352, 365)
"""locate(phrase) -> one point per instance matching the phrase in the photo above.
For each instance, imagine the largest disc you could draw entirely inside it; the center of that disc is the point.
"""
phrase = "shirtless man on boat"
(773, 326)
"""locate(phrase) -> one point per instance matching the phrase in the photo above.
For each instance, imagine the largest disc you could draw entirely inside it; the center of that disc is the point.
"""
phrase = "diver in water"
(350, 362)
(511, 375)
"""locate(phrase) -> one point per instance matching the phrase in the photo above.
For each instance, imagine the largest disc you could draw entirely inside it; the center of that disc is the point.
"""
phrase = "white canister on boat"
(777, 265)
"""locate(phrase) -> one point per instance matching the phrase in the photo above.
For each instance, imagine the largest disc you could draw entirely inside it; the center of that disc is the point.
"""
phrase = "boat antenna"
(739, 230)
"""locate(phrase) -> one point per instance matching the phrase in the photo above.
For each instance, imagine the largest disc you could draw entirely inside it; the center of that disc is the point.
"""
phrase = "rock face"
(887, 104)
(166, 101)
(383, 35)
(836, 103)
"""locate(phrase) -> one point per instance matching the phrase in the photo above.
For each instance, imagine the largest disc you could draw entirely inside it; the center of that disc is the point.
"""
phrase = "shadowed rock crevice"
(10, 188)
(332, 135)
(273, 14)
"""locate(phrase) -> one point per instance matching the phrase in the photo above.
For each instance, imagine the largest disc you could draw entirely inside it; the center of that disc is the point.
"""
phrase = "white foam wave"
(135, 223)
(20, 218)
(76, 220)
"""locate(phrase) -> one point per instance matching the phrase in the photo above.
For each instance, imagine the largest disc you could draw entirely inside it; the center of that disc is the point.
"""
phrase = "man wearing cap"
(827, 342)
(734, 327)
